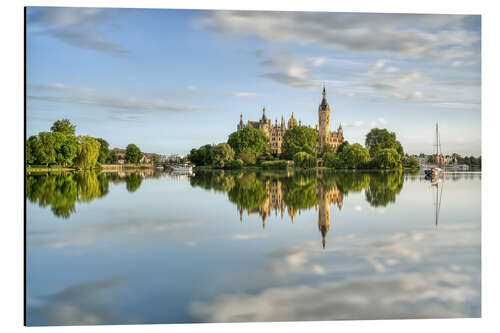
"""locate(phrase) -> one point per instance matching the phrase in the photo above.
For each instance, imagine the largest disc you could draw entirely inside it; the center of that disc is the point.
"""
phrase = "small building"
(146, 158)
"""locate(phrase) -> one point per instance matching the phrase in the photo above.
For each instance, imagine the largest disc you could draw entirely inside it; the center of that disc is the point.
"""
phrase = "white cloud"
(288, 71)
(77, 305)
(74, 26)
(454, 105)
(392, 69)
(244, 236)
(378, 66)
(379, 122)
(382, 121)
(59, 87)
(416, 95)
(316, 62)
(123, 108)
(401, 34)
(243, 94)
(84, 235)
(383, 86)
(410, 77)
(438, 294)
(411, 274)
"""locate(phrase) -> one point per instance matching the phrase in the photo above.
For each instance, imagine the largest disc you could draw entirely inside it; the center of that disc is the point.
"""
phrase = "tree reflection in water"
(260, 193)
(61, 191)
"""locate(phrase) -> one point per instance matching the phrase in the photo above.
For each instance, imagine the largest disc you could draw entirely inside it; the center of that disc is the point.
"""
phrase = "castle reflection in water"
(259, 193)
(275, 203)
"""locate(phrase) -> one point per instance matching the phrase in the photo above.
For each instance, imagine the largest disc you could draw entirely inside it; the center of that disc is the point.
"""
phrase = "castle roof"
(264, 117)
(324, 103)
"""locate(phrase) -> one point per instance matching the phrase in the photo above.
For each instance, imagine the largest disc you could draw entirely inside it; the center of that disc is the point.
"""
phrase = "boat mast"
(439, 159)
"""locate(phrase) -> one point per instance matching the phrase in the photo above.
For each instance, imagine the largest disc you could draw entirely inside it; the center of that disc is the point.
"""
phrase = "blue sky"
(171, 80)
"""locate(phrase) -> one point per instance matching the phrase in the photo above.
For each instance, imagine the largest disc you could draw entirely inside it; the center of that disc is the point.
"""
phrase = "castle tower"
(292, 122)
(265, 123)
(241, 125)
(324, 122)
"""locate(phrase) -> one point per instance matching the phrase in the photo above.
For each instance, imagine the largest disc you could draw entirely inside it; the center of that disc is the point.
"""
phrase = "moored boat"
(433, 172)
(182, 168)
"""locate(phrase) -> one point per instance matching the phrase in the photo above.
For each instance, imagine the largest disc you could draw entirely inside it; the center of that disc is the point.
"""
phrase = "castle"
(277, 131)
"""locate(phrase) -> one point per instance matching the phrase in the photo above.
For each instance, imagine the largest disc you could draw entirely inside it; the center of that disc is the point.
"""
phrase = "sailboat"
(436, 171)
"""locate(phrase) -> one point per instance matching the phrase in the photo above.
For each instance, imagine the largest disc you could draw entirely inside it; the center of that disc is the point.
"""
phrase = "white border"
(12, 124)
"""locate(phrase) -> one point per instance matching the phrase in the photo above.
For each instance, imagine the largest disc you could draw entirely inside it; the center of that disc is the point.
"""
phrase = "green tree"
(249, 138)
(329, 148)
(387, 158)
(223, 154)
(103, 151)
(354, 156)
(156, 158)
(349, 157)
(304, 160)
(299, 139)
(63, 126)
(202, 156)
(32, 145)
(248, 156)
(341, 147)
(87, 152)
(378, 139)
(411, 162)
(237, 164)
(65, 146)
(331, 160)
(45, 149)
(133, 153)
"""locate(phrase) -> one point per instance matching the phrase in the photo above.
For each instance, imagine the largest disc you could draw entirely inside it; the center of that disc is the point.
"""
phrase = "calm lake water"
(244, 246)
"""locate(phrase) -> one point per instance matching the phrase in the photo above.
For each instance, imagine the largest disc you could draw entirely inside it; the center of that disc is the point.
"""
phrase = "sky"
(172, 80)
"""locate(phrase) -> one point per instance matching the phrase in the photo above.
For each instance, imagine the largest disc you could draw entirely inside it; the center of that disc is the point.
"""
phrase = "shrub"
(279, 164)
(236, 164)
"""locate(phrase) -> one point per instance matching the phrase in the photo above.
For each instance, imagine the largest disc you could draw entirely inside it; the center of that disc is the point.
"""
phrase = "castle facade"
(276, 131)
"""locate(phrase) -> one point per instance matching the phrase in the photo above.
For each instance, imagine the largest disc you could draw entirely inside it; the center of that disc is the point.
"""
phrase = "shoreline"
(103, 168)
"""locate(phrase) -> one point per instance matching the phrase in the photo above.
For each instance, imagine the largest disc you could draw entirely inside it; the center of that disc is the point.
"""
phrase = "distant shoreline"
(104, 167)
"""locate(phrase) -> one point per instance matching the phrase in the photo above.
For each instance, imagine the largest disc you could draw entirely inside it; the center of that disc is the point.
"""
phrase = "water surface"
(251, 246)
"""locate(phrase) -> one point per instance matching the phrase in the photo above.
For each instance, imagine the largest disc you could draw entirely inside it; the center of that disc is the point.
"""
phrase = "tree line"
(61, 191)
(250, 146)
(61, 147)
(471, 161)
